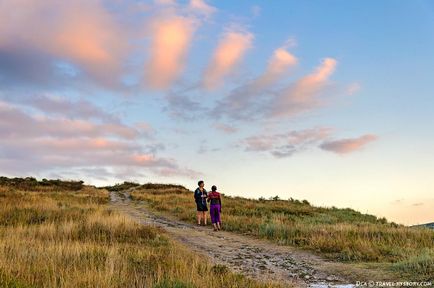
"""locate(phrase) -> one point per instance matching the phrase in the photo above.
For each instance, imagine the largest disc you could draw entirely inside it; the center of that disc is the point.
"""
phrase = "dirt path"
(255, 258)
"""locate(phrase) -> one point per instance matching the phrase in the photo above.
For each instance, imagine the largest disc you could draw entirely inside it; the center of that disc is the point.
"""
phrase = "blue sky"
(328, 101)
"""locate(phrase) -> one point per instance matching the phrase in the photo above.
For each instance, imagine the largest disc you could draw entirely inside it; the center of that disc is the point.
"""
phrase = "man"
(200, 196)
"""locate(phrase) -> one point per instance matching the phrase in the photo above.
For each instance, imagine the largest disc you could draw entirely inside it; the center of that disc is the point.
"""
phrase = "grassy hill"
(63, 234)
(339, 234)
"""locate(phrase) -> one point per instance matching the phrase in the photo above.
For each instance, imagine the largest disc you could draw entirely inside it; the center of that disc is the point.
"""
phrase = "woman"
(200, 196)
(215, 207)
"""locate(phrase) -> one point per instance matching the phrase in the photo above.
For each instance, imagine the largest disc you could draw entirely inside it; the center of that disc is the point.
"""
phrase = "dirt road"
(258, 259)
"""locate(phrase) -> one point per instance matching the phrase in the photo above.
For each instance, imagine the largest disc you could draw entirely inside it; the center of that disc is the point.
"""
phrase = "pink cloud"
(348, 145)
(166, 2)
(53, 104)
(48, 152)
(303, 94)
(202, 7)
(277, 67)
(145, 129)
(286, 144)
(229, 52)
(246, 101)
(83, 32)
(228, 129)
(36, 143)
(171, 39)
(16, 123)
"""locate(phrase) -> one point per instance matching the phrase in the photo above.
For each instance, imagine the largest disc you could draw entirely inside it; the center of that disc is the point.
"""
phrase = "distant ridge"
(428, 225)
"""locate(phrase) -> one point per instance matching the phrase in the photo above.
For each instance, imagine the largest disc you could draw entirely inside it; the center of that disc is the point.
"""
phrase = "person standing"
(200, 196)
(215, 207)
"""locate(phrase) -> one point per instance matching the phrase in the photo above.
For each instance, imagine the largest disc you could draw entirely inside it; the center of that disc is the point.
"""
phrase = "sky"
(328, 101)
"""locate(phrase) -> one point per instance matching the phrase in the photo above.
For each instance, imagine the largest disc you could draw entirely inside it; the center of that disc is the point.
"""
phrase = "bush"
(30, 183)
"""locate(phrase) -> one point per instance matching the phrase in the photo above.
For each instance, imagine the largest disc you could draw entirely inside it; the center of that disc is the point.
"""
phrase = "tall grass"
(339, 234)
(71, 238)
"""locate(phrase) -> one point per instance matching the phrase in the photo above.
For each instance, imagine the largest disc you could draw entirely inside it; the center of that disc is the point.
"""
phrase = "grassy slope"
(62, 234)
(339, 234)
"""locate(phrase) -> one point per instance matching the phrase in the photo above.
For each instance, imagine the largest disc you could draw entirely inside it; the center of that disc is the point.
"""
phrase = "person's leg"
(199, 214)
(204, 217)
(218, 220)
(212, 214)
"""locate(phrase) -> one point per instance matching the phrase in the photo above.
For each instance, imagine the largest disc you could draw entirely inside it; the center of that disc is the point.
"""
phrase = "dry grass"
(54, 238)
(339, 234)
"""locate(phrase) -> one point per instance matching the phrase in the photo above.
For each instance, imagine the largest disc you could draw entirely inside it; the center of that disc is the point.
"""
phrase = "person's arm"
(196, 196)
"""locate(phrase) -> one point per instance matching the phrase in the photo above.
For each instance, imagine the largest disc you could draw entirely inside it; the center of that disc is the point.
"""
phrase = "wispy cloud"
(286, 144)
(202, 7)
(348, 145)
(353, 88)
(36, 143)
(82, 32)
(63, 106)
(247, 101)
(229, 52)
(304, 94)
(180, 106)
(171, 38)
(228, 129)
(18, 124)
(278, 66)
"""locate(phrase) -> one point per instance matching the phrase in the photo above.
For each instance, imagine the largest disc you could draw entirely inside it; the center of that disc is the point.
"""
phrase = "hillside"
(57, 233)
(64, 233)
(343, 235)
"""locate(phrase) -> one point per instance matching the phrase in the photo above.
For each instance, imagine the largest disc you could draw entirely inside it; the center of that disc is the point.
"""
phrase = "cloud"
(282, 145)
(16, 123)
(228, 129)
(82, 32)
(170, 40)
(19, 65)
(183, 107)
(166, 2)
(247, 101)
(62, 106)
(286, 144)
(353, 88)
(34, 143)
(277, 67)
(348, 145)
(202, 7)
(144, 129)
(304, 94)
(229, 52)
